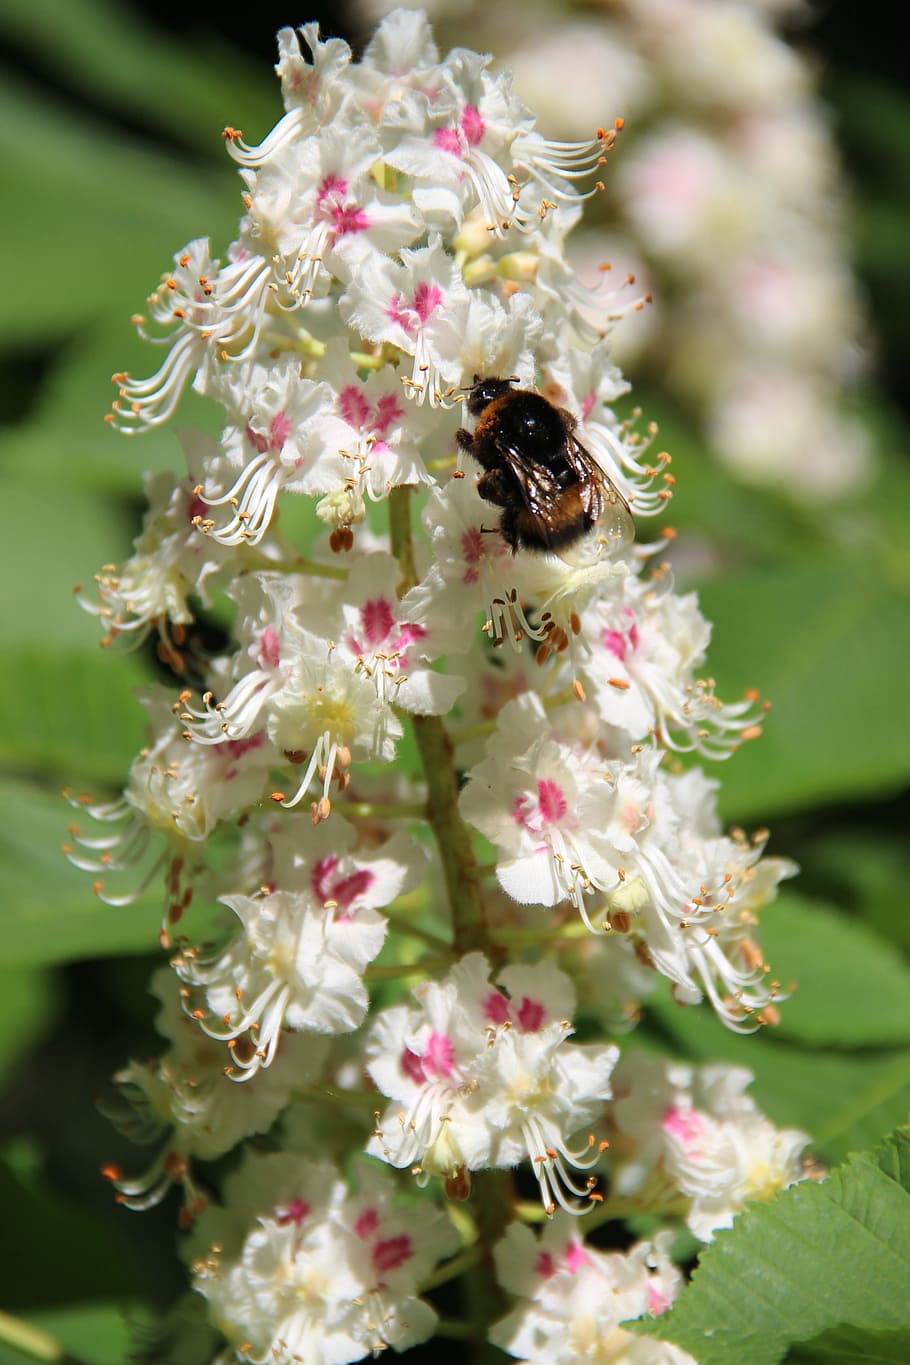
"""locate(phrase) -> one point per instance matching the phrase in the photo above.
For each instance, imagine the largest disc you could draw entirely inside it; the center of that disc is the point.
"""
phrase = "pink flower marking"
(350, 888)
(353, 407)
(269, 648)
(615, 642)
(387, 410)
(550, 800)
(409, 316)
(439, 1055)
(234, 749)
(531, 1014)
(496, 1008)
(377, 619)
(544, 1266)
(427, 298)
(575, 1257)
(620, 644)
(259, 442)
(348, 218)
(470, 131)
(412, 1067)
(295, 1213)
(630, 817)
(472, 125)
(335, 185)
(447, 140)
(685, 1125)
(398, 311)
(195, 507)
(342, 890)
(408, 632)
(238, 747)
(587, 405)
(392, 1252)
(279, 430)
(472, 548)
(367, 1223)
(658, 1299)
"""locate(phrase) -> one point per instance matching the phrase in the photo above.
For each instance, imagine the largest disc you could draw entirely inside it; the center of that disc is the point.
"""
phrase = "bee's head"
(483, 391)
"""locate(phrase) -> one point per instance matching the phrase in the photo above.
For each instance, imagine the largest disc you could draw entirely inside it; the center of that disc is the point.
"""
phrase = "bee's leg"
(465, 440)
(508, 528)
(495, 487)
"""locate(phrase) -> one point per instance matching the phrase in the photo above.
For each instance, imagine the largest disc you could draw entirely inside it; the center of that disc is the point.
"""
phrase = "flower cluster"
(694, 1133)
(418, 741)
(572, 1298)
(297, 1267)
(482, 1076)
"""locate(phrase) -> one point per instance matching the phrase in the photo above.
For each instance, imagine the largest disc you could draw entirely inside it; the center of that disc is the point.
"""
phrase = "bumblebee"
(550, 489)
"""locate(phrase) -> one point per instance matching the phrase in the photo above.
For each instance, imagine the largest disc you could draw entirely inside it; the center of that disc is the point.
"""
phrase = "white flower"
(389, 640)
(184, 1102)
(294, 967)
(639, 669)
(296, 1268)
(481, 1078)
(275, 440)
(170, 564)
(174, 800)
(546, 806)
(694, 1133)
(569, 824)
(417, 306)
(572, 1298)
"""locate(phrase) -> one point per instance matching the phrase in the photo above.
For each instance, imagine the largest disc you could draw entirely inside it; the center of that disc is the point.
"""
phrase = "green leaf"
(49, 544)
(65, 443)
(867, 874)
(93, 1333)
(828, 643)
(852, 989)
(62, 1247)
(125, 209)
(109, 50)
(851, 1346)
(28, 1003)
(816, 1257)
(50, 913)
(71, 715)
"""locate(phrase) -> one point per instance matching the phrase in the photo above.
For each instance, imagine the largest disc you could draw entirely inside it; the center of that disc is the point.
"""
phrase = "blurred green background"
(112, 159)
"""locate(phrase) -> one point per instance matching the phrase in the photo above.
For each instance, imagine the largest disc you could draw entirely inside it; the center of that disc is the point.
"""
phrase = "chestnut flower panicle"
(378, 794)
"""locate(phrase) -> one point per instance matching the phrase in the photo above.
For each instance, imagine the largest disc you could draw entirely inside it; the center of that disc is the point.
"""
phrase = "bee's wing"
(600, 497)
(538, 487)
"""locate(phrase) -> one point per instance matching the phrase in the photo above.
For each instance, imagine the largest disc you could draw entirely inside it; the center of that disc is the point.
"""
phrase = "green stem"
(437, 756)
(33, 1342)
(465, 1260)
(453, 1331)
(492, 1202)
(311, 566)
(398, 920)
(566, 933)
(393, 970)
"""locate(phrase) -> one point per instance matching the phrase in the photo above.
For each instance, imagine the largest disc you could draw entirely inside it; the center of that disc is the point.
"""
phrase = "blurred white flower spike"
(402, 823)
